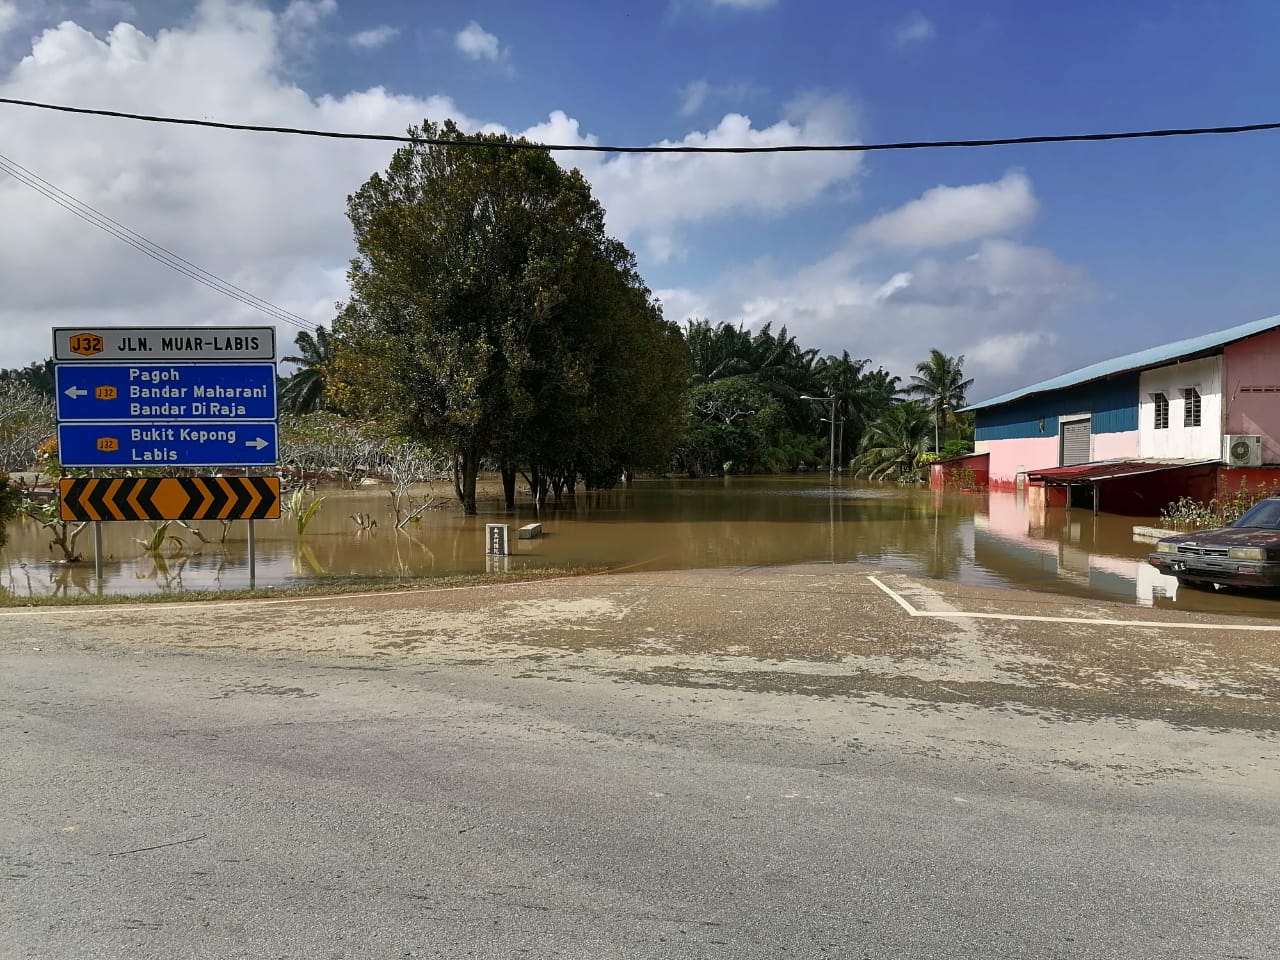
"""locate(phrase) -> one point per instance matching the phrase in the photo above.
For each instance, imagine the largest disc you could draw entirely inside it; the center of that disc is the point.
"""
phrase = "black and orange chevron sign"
(170, 498)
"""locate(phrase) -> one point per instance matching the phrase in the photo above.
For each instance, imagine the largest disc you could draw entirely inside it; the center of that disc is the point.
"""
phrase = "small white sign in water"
(497, 539)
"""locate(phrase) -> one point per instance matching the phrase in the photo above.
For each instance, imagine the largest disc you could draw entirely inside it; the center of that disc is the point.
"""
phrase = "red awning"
(1107, 470)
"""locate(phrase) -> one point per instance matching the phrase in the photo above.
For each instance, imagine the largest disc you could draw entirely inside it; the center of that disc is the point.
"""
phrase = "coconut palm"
(304, 392)
(894, 441)
(940, 382)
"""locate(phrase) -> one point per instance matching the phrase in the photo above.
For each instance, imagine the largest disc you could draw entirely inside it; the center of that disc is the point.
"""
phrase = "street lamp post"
(831, 462)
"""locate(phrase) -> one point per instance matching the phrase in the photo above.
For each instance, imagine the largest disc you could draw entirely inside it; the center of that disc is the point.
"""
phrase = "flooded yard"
(989, 539)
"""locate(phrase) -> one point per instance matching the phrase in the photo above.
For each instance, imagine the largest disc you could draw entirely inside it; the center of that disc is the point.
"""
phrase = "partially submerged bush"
(1187, 513)
(10, 504)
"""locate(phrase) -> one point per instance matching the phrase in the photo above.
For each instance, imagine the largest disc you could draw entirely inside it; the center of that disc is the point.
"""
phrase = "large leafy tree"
(892, 445)
(941, 383)
(304, 391)
(493, 318)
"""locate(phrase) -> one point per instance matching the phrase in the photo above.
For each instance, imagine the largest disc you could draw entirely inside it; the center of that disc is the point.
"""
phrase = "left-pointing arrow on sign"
(74, 392)
(256, 444)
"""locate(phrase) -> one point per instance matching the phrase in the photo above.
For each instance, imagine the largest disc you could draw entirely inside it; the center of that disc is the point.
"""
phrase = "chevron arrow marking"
(169, 498)
(112, 499)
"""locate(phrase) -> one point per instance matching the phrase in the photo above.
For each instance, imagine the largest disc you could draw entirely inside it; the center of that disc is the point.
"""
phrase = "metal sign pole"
(97, 548)
(97, 553)
(253, 567)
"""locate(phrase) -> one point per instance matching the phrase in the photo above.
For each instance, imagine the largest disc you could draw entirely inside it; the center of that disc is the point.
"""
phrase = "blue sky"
(1030, 260)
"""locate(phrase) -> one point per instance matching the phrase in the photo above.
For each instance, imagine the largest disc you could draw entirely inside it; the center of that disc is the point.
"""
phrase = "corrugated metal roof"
(1143, 359)
(1108, 470)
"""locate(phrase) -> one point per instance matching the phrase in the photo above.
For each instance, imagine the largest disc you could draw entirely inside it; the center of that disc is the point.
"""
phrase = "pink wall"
(1008, 457)
(1116, 446)
(1254, 363)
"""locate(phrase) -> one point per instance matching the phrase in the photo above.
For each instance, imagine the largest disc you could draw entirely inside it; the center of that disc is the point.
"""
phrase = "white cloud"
(944, 216)
(373, 38)
(694, 96)
(916, 28)
(8, 16)
(650, 196)
(1005, 353)
(476, 43)
(307, 14)
(268, 212)
(120, 9)
(995, 305)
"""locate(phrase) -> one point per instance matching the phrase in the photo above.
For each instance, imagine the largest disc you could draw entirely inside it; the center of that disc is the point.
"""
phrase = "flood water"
(989, 539)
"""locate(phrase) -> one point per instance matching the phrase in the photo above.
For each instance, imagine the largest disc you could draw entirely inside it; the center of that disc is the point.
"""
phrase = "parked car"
(1244, 554)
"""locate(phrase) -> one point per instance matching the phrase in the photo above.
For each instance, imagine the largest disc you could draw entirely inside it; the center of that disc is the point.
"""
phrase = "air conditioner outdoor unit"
(1242, 450)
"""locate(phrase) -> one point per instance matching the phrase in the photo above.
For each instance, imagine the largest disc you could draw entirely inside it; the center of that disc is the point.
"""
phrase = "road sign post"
(157, 397)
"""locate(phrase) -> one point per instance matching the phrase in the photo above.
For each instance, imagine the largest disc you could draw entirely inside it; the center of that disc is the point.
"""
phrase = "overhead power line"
(150, 248)
(669, 148)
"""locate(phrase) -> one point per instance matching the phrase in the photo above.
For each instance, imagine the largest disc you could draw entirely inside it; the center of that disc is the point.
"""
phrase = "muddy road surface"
(798, 762)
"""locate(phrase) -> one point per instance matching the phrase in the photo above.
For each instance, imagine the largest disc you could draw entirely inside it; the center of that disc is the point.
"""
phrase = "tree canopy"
(492, 317)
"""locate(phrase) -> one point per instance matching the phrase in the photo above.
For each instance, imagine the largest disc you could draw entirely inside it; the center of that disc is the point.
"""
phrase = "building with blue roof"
(1212, 399)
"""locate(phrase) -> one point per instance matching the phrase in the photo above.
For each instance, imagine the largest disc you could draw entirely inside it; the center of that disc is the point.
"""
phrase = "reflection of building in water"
(1153, 583)
(1026, 543)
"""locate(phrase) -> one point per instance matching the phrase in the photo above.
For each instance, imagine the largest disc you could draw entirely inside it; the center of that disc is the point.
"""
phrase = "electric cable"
(522, 144)
(145, 246)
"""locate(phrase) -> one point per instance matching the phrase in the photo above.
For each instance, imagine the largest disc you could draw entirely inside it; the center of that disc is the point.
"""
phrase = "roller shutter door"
(1075, 442)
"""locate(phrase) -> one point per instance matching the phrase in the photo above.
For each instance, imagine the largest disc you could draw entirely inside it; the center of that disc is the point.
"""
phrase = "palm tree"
(716, 352)
(940, 382)
(894, 441)
(304, 392)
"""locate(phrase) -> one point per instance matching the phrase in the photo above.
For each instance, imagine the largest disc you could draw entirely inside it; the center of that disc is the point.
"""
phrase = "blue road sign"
(153, 392)
(180, 444)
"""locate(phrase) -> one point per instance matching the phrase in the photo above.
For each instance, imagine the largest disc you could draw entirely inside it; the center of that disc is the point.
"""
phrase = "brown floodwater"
(990, 539)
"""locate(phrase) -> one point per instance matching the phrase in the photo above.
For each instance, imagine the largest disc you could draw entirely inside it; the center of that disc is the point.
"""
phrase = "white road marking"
(1096, 621)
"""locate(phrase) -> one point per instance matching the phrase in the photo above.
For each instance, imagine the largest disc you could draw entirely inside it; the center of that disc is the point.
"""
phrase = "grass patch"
(328, 588)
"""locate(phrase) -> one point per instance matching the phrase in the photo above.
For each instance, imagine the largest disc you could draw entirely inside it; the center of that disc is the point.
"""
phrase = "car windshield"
(1265, 514)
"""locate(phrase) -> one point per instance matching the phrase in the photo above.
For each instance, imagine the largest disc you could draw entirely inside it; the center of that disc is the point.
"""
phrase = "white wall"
(1178, 442)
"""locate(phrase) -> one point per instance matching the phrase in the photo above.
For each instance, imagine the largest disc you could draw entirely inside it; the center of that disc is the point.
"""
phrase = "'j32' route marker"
(166, 396)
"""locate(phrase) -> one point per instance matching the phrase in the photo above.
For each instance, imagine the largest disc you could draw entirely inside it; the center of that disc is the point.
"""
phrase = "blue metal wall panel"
(1113, 404)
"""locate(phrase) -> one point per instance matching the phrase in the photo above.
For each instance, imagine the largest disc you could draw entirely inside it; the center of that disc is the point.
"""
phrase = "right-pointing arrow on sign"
(74, 392)
(256, 444)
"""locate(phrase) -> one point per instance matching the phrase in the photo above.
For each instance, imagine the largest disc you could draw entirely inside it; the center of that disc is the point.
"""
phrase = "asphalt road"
(316, 806)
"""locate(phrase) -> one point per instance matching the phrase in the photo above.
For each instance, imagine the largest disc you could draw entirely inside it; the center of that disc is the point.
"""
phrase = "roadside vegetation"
(1187, 513)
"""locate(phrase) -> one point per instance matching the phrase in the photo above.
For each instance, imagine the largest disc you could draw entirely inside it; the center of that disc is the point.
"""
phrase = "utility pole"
(831, 420)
